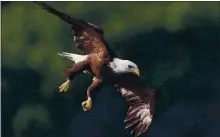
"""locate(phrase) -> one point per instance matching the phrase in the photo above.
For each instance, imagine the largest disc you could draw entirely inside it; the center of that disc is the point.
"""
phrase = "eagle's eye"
(129, 66)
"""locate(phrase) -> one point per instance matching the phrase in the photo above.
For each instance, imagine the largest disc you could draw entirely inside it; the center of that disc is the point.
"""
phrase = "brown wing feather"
(77, 23)
(89, 41)
(141, 100)
(87, 35)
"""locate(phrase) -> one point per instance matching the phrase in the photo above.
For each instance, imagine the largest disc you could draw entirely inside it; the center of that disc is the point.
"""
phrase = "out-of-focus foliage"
(175, 44)
(27, 115)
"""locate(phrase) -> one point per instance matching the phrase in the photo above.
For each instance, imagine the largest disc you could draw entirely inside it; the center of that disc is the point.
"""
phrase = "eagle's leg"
(88, 103)
(65, 86)
(71, 72)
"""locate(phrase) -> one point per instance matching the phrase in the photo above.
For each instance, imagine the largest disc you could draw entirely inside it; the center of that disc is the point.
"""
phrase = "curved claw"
(87, 104)
(65, 86)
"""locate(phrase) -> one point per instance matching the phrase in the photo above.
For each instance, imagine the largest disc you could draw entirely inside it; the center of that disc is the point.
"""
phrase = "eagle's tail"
(67, 55)
(140, 112)
(74, 57)
(67, 18)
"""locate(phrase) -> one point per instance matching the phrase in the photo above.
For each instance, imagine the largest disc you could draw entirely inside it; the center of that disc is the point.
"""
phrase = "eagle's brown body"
(98, 56)
(90, 40)
(95, 62)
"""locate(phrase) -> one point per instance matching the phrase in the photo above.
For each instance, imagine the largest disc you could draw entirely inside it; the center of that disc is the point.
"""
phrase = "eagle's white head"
(124, 66)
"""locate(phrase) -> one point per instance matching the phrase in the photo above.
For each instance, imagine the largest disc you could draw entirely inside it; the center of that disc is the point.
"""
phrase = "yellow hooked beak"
(136, 71)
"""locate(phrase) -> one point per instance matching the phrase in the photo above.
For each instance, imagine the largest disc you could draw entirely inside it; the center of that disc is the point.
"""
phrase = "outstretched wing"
(86, 35)
(78, 23)
(141, 99)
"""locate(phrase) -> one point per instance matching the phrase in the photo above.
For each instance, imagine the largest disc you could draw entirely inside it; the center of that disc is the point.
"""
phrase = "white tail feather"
(74, 57)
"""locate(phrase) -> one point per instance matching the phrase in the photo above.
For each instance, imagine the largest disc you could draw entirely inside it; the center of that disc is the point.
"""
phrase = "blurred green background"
(175, 44)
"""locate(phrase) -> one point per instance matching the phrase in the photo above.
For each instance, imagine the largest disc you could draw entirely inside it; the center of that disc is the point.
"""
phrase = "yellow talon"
(65, 86)
(87, 104)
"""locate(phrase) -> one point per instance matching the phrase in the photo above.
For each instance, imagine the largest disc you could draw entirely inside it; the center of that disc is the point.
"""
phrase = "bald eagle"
(101, 62)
